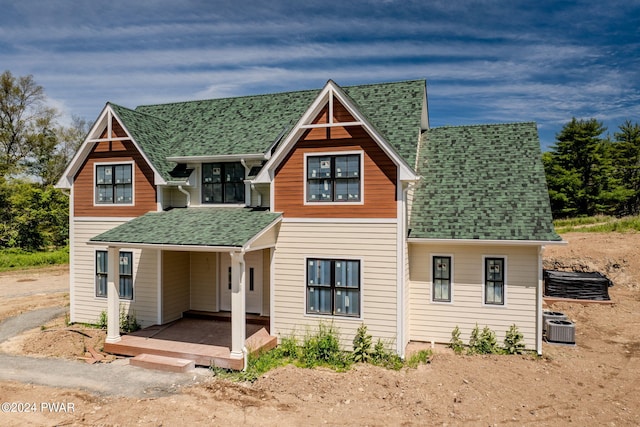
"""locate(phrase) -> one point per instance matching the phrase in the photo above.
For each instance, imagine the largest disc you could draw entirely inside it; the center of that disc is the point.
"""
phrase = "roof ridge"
(482, 124)
(277, 93)
(137, 112)
(228, 97)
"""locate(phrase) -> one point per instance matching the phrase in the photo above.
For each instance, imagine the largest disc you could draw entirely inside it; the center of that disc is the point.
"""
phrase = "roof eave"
(219, 158)
(489, 242)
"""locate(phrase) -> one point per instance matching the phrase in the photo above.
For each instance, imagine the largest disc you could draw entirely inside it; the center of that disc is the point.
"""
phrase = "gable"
(333, 111)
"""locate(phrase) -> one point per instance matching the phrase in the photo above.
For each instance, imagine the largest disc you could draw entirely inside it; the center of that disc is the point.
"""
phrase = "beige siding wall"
(266, 282)
(175, 284)
(372, 243)
(87, 307)
(435, 321)
(204, 267)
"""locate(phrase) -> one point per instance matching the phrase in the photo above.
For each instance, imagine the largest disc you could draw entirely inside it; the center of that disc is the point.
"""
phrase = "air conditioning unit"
(561, 331)
(551, 315)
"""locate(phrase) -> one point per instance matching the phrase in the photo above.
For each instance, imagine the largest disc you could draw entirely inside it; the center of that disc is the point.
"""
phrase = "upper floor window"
(494, 281)
(334, 178)
(114, 184)
(223, 183)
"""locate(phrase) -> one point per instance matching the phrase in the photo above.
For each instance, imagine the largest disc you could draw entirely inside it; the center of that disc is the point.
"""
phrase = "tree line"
(34, 151)
(589, 173)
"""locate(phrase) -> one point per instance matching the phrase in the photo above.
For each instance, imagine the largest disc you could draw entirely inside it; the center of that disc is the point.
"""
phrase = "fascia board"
(477, 242)
(66, 180)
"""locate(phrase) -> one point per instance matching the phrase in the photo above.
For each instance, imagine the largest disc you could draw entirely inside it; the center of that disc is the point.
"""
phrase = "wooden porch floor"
(205, 341)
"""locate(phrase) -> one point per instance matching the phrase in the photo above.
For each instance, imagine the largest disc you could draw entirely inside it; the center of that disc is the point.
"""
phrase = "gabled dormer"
(111, 175)
(335, 163)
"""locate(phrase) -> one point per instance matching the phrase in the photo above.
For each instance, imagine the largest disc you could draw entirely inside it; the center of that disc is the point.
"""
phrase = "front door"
(252, 280)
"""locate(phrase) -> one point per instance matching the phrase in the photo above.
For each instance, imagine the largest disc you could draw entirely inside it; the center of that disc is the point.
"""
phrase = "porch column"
(238, 309)
(113, 297)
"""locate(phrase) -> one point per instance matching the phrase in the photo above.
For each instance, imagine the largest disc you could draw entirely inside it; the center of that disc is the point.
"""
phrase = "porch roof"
(192, 227)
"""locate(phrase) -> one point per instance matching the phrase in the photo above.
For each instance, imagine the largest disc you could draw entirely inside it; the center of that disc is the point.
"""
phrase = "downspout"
(186, 193)
(253, 188)
(539, 304)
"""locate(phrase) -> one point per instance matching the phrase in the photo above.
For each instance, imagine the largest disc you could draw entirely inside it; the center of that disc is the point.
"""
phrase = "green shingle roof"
(232, 227)
(251, 124)
(482, 182)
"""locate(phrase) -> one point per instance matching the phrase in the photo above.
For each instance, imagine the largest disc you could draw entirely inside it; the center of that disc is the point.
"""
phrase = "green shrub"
(456, 342)
(102, 320)
(128, 322)
(387, 358)
(323, 348)
(361, 345)
(421, 357)
(482, 342)
(513, 341)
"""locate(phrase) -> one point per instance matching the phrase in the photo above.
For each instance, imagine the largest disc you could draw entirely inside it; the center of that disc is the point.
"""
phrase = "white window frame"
(360, 317)
(484, 281)
(431, 284)
(333, 153)
(95, 275)
(133, 183)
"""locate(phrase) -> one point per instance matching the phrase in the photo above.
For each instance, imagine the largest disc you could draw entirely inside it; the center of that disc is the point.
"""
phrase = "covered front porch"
(205, 339)
(216, 259)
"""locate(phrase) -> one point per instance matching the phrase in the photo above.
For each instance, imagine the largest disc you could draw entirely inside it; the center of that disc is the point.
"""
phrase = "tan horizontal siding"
(204, 273)
(87, 307)
(435, 321)
(175, 284)
(299, 241)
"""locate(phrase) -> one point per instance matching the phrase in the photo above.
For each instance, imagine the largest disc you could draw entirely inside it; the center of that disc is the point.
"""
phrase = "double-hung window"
(114, 184)
(223, 183)
(335, 178)
(494, 280)
(125, 287)
(333, 287)
(441, 276)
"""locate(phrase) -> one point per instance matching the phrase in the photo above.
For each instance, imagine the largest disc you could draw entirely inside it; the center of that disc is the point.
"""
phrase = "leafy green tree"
(25, 122)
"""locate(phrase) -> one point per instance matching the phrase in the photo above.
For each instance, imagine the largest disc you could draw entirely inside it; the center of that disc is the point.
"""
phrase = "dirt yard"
(597, 382)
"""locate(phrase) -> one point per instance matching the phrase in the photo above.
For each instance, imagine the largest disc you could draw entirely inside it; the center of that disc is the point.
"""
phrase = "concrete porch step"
(162, 363)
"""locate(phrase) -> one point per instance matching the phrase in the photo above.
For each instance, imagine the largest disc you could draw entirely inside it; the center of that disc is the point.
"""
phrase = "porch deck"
(206, 340)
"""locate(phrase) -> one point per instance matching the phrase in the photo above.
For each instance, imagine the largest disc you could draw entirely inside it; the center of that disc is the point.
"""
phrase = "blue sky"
(484, 61)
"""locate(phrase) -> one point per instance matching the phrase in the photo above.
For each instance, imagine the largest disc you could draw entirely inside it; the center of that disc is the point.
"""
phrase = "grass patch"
(18, 259)
(598, 224)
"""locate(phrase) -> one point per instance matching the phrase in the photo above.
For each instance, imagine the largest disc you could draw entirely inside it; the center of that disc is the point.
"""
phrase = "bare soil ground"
(596, 382)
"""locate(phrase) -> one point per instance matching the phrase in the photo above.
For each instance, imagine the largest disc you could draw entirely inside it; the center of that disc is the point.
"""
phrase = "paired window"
(125, 287)
(223, 183)
(114, 184)
(441, 278)
(334, 178)
(333, 287)
(494, 281)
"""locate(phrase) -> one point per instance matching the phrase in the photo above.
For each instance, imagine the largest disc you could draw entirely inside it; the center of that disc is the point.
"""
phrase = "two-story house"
(339, 204)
